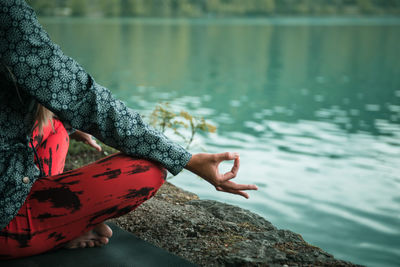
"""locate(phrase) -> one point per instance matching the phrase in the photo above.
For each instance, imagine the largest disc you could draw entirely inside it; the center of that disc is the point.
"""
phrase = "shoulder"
(17, 22)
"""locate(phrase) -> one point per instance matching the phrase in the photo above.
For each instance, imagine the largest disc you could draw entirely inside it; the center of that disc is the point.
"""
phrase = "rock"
(211, 233)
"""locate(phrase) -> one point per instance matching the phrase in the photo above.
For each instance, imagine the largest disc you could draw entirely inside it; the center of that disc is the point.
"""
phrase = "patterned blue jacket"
(43, 74)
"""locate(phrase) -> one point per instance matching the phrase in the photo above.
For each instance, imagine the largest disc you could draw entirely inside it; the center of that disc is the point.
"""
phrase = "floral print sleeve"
(59, 83)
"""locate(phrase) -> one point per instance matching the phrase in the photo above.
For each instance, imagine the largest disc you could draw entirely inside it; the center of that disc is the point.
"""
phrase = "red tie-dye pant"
(63, 206)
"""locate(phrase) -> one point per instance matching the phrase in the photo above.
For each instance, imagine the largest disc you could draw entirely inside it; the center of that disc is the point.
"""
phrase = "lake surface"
(312, 105)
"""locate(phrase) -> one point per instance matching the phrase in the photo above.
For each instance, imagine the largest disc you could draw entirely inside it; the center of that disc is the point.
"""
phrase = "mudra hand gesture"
(206, 166)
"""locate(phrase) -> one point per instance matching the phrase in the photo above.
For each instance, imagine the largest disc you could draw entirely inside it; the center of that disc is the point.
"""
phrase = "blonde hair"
(42, 118)
(42, 114)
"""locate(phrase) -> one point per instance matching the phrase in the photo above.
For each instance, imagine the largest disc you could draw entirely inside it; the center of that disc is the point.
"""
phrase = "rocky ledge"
(211, 233)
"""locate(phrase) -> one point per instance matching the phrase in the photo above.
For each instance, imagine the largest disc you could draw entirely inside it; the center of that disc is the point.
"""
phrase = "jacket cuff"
(177, 168)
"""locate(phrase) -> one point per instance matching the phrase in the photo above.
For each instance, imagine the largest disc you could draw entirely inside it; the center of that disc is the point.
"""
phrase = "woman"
(43, 208)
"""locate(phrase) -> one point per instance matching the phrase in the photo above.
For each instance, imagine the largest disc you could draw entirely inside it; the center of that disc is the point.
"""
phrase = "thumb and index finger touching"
(236, 164)
(232, 174)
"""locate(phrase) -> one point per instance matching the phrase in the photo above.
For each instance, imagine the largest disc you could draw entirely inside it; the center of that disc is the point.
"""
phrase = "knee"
(156, 174)
(143, 179)
(142, 172)
(134, 174)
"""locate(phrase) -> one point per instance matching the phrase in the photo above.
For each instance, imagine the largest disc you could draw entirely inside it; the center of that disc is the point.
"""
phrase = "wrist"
(190, 166)
(201, 165)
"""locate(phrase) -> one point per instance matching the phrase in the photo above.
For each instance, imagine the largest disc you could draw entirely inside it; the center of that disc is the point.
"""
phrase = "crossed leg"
(69, 209)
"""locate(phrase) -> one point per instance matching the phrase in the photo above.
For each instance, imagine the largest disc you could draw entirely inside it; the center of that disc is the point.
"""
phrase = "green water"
(312, 105)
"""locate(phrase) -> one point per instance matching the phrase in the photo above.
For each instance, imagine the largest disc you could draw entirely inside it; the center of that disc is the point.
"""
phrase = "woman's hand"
(206, 166)
(86, 138)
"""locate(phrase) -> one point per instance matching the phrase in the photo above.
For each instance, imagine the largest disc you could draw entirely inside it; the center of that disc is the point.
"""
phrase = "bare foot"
(98, 237)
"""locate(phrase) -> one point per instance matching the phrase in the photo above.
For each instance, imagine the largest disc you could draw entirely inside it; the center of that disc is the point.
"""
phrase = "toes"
(99, 236)
(109, 231)
(90, 243)
(101, 241)
(103, 229)
(82, 244)
(104, 240)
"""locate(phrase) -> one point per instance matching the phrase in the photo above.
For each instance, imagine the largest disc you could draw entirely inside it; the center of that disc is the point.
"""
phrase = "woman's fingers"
(206, 166)
(233, 188)
(242, 193)
(95, 145)
(233, 172)
(91, 142)
(235, 168)
(236, 192)
(229, 185)
(227, 156)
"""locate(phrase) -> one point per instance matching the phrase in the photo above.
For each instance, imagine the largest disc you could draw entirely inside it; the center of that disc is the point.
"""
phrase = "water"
(312, 105)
